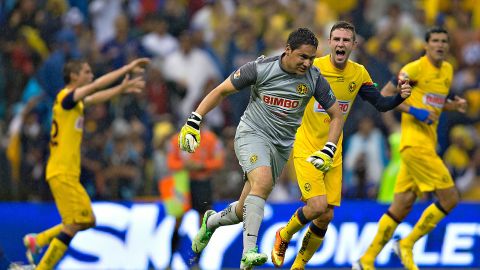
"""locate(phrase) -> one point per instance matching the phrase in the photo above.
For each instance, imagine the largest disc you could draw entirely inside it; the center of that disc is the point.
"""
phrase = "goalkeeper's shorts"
(313, 182)
(422, 170)
(72, 200)
(255, 151)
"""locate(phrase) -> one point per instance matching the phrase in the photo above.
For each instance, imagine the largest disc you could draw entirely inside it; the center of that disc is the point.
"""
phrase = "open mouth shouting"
(340, 54)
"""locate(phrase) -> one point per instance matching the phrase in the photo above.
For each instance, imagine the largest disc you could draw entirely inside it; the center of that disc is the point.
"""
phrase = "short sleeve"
(323, 93)
(244, 76)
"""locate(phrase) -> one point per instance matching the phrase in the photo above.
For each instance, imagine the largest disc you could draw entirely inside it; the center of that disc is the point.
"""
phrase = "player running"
(321, 190)
(281, 87)
(421, 169)
(63, 167)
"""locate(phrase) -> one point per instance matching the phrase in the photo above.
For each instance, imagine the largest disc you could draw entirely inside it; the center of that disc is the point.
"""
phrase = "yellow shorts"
(422, 170)
(313, 182)
(71, 199)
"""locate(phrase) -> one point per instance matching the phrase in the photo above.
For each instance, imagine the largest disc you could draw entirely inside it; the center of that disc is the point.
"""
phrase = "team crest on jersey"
(302, 89)
(236, 75)
(307, 187)
(253, 159)
(344, 106)
(434, 100)
(352, 86)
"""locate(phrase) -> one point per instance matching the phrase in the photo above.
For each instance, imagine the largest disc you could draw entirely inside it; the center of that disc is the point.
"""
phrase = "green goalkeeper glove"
(189, 137)
(323, 159)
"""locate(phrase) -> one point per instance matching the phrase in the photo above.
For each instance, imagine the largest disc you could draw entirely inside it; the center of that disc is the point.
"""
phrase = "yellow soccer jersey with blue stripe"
(65, 138)
(313, 132)
(430, 87)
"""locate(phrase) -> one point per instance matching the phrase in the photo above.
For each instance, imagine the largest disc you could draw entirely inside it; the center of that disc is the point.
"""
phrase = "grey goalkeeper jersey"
(278, 98)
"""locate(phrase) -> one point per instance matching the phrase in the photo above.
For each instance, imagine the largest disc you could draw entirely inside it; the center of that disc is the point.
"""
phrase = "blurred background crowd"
(194, 45)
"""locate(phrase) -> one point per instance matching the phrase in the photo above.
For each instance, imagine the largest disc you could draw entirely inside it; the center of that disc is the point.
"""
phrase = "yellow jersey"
(430, 87)
(313, 132)
(65, 138)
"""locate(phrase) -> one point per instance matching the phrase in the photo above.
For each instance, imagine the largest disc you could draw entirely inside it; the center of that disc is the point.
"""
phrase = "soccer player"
(281, 87)
(63, 166)
(322, 190)
(421, 169)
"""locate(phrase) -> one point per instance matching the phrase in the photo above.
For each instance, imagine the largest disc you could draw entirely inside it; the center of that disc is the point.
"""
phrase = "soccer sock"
(295, 224)
(226, 217)
(252, 219)
(429, 220)
(311, 242)
(386, 226)
(44, 238)
(55, 251)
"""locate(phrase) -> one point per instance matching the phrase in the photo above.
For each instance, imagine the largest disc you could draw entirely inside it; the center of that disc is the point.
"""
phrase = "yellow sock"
(55, 252)
(386, 227)
(429, 220)
(310, 244)
(293, 226)
(44, 238)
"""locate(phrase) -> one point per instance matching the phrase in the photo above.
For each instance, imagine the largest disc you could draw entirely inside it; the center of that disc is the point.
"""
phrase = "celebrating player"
(63, 167)
(421, 168)
(281, 87)
(322, 190)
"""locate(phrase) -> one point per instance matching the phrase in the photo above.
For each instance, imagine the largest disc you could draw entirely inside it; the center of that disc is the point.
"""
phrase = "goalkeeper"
(321, 190)
(281, 87)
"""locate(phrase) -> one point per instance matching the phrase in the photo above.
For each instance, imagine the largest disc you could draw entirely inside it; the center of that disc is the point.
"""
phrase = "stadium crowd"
(194, 45)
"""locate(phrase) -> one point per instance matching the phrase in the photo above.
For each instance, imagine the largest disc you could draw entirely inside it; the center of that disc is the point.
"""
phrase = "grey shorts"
(254, 151)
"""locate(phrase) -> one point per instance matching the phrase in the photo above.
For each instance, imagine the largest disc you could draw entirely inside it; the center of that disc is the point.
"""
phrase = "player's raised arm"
(384, 102)
(105, 80)
(420, 114)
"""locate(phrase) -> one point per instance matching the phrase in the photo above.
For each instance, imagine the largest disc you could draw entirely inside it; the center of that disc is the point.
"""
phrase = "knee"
(316, 208)
(262, 188)
(449, 202)
(326, 217)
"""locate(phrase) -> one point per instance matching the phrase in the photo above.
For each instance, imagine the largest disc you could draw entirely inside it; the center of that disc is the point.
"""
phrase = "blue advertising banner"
(137, 236)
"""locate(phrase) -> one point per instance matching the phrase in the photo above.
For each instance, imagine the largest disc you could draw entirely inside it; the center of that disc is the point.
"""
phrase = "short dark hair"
(344, 25)
(72, 66)
(435, 30)
(302, 36)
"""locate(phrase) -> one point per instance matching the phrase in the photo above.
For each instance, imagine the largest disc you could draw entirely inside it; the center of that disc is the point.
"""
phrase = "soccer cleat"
(279, 248)
(204, 234)
(252, 258)
(33, 250)
(405, 255)
(359, 265)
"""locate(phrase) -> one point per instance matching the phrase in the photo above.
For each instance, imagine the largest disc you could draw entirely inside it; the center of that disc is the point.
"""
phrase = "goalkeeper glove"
(420, 114)
(189, 137)
(323, 159)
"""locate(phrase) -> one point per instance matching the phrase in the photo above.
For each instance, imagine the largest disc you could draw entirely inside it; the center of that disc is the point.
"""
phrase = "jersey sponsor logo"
(302, 89)
(352, 86)
(280, 102)
(344, 106)
(434, 100)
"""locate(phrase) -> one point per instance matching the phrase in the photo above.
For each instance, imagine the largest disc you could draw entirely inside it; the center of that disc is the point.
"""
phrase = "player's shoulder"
(447, 65)
(267, 60)
(356, 67)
